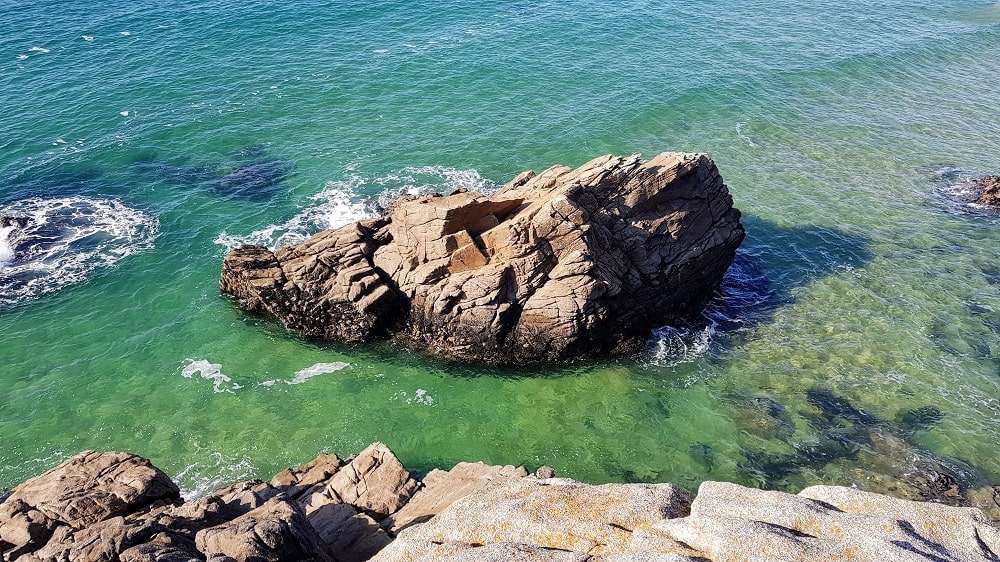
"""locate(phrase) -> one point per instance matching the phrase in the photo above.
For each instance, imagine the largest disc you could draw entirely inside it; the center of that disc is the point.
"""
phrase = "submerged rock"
(561, 265)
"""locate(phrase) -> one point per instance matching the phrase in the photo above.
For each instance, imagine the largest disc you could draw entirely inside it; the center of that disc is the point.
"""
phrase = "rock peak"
(561, 265)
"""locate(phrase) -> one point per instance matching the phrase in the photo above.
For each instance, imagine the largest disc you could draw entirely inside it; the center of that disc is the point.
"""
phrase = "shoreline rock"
(567, 264)
(118, 507)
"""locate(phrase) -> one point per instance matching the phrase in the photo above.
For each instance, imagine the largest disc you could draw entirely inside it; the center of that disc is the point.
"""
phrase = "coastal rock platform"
(118, 507)
(561, 265)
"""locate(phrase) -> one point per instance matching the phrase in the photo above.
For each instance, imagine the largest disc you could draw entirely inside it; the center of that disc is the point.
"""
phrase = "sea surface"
(855, 341)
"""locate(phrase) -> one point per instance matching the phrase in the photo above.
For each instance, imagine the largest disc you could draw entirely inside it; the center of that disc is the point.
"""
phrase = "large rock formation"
(560, 265)
(112, 507)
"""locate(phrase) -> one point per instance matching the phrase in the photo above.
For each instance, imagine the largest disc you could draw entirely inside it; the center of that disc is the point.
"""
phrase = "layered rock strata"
(117, 507)
(560, 265)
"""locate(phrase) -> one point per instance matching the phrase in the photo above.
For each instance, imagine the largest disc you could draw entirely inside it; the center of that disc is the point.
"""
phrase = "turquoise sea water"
(857, 339)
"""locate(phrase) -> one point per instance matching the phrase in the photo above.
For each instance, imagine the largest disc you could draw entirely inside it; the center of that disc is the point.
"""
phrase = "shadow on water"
(770, 264)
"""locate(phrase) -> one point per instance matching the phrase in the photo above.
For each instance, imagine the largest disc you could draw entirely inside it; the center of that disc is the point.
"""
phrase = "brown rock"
(990, 194)
(275, 531)
(86, 489)
(555, 266)
(349, 535)
(441, 489)
(374, 481)
(297, 481)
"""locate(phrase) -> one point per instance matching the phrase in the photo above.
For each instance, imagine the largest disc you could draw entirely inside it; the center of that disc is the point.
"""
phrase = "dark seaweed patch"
(919, 419)
(255, 180)
(832, 406)
(704, 455)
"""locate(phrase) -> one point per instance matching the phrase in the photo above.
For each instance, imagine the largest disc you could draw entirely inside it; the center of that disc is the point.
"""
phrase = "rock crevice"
(555, 266)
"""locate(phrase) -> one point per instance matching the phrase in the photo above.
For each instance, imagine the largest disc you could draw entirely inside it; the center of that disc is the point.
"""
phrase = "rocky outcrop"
(86, 489)
(555, 266)
(114, 507)
(990, 191)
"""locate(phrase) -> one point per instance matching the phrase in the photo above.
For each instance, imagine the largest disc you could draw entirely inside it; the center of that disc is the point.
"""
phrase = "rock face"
(112, 507)
(990, 195)
(560, 265)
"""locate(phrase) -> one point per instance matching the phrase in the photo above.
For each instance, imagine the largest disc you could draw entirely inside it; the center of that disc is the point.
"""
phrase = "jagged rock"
(352, 536)
(557, 514)
(730, 522)
(275, 531)
(374, 481)
(442, 488)
(220, 506)
(555, 266)
(297, 481)
(990, 194)
(86, 489)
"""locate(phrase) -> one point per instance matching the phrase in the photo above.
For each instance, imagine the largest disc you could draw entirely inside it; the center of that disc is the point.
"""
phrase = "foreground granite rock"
(561, 265)
(115, 507)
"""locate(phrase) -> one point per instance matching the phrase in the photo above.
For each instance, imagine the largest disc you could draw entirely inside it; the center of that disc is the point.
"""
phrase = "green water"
(835, 128)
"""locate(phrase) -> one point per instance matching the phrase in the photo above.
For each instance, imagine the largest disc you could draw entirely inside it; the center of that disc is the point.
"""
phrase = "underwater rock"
(562, 265)
(255, 179)
(919, 419)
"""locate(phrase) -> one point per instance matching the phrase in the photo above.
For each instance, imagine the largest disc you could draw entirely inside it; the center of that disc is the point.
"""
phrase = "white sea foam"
(211, 372)
(125, 33)
(22, 57)
(420, 396)
(61, 241)
(6, 250)
(38, 50)
(341, 202)
(316, 370)
(210, 472)
(88, 38)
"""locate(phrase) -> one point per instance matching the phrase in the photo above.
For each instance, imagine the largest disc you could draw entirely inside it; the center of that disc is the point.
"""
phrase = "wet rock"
(275, 531)
(556, 514)
(86, 489)
(561, 265)
(990, 194)
(442, 488)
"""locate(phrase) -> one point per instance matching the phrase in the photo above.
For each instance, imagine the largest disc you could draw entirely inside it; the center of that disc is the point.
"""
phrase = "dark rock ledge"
(562, 265)
(118, 507)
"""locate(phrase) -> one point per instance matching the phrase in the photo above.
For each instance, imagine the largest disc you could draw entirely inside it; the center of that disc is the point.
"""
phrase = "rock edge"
(118, 507)
(562, 265)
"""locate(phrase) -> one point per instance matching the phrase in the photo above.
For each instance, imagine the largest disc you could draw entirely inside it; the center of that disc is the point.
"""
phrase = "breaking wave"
(343, 202)
(47, 244)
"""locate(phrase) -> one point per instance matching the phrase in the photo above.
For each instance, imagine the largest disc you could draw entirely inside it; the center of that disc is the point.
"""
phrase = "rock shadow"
(772, 261)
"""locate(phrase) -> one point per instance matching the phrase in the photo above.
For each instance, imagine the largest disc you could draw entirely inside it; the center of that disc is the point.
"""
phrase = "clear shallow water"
(836, 128)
